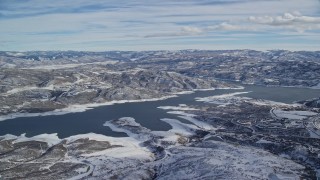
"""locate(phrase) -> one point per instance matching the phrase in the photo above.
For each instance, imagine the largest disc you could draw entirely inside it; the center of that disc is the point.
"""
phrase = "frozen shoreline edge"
(84, 107)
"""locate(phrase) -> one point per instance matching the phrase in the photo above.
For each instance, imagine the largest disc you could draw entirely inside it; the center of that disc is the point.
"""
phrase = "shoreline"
(78, 108)
(84, 107)
(317, 87)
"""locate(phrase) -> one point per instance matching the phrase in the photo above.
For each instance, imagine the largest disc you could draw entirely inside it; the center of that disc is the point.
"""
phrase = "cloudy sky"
(101, 25)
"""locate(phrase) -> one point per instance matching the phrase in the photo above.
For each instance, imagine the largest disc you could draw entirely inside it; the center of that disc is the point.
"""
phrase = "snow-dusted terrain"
(226, 136)
(199, 150)
(95, 156)
(77, 88)
(294, 115)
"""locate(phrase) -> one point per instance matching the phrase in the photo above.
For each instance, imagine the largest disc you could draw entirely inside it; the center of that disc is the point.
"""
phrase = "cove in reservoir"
(145, 113)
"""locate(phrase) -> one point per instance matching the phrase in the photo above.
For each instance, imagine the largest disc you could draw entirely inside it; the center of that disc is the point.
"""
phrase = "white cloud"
(191, 30)
(195, 31)
(289, 20)
(230, 27)
(184, 31)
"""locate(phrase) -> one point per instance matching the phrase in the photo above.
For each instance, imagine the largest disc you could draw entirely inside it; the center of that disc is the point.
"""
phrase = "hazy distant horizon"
(115, 50)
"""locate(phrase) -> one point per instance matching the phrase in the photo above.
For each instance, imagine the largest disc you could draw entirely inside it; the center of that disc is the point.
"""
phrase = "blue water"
(145, 113)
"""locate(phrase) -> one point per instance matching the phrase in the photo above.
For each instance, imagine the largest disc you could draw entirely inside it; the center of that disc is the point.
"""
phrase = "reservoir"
(145, 113)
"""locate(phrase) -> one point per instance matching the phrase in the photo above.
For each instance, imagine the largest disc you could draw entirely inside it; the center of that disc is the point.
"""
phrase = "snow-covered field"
(219, 160)
(190, 117)
(181, 108)
(295, 115)
(223, 99)
(132, 158)
(232, 98)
